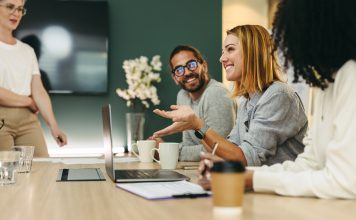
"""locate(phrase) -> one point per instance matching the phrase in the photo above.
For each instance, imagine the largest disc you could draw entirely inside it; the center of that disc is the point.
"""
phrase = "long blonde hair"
(259, 65)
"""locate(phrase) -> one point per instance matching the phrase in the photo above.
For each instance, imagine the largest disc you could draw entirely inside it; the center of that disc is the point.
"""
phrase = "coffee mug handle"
(153, 155)
(134, 151)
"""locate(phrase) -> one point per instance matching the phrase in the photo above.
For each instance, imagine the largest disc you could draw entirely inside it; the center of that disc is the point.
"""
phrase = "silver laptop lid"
(156, 174)
(108, 154)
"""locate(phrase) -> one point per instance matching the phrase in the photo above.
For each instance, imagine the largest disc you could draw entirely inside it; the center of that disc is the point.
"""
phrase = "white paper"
(125, 159)
(162, 190)
(82, 160)
(47, 159)
(85, 160)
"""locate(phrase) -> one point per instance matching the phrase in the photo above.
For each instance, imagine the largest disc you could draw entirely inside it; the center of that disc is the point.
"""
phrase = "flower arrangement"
(140, 76)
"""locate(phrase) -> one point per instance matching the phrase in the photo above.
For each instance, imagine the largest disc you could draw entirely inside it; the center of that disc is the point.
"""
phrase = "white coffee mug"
(145, 148)
(168, 154)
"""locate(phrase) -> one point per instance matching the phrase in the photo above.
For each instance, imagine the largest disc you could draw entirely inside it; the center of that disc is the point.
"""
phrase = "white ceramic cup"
(168, 155)
(144, 150)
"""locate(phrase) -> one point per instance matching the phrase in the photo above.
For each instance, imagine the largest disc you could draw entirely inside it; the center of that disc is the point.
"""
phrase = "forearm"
(11, 99)
(44, 105)
(226, 149)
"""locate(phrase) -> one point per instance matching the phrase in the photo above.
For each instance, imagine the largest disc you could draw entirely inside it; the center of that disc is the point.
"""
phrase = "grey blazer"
(270, 126)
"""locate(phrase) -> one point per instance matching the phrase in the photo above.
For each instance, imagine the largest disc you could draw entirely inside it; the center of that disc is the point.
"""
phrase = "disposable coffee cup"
(228, 185)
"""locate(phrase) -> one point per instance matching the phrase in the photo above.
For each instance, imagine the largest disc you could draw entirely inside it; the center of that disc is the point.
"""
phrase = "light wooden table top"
(38, 196)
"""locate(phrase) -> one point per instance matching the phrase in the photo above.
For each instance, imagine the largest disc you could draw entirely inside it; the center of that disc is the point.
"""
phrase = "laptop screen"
(109, 165)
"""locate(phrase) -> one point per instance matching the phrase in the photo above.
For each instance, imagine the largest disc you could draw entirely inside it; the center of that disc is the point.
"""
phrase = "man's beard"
(201, 78)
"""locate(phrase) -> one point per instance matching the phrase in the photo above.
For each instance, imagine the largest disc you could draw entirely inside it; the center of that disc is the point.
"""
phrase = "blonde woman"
(271, 121)
(22, 94)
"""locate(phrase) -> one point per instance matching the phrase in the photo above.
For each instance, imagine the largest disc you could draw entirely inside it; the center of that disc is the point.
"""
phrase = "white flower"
(156, 63)
(140, 75)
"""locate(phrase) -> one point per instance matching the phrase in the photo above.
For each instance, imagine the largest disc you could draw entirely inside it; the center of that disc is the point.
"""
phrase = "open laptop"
(126, 176)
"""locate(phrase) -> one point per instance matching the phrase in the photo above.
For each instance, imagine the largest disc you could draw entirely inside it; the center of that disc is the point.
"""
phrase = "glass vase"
(134, 128)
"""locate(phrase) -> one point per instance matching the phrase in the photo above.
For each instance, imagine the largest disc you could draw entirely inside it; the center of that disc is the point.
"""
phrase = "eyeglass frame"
(2, 123)
(11, 8)
(185, 66)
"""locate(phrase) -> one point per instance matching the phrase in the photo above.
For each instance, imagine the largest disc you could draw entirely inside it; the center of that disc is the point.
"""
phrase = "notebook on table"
(165, 190)
(130, 176)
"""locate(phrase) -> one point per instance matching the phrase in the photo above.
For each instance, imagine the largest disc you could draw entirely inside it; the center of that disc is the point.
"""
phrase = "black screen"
(70, 39)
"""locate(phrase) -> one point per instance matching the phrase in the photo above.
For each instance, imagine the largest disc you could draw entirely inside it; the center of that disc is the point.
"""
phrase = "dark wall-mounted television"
(71, 40)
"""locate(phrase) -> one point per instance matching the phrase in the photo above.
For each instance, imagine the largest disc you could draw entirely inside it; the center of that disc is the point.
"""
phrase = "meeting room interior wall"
(261, 12)
(139, 28)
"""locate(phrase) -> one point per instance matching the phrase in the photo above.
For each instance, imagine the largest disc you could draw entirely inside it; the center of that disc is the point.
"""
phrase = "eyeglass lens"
(190, 65)
(11, 8)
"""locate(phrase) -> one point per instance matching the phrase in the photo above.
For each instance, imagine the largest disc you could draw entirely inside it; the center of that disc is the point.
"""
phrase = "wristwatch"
(200, 133)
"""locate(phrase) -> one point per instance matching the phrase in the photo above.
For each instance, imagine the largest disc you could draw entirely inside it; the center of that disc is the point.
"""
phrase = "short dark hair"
(180, 48)
(316, 37)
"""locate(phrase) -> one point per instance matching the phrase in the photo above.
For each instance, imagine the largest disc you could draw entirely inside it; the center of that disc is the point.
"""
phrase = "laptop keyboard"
(136, 174)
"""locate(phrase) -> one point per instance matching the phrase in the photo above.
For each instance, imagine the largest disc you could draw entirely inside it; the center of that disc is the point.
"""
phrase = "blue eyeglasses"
(180, 70)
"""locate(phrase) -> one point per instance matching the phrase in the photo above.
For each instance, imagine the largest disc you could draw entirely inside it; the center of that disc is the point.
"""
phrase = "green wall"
(142, 27)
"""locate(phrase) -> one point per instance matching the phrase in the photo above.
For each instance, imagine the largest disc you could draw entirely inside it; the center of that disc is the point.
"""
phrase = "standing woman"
(22, 94)
(271, 121)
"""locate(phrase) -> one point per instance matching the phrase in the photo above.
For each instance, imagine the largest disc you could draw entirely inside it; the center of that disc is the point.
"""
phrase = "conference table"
(37, 196)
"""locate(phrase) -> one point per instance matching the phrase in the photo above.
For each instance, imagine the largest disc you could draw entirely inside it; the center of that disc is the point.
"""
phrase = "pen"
(216, 145)
(212, 153)
(190, 195)
(190, 167)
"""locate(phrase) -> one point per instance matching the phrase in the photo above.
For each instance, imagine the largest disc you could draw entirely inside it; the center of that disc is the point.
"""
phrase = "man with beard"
(209, 99)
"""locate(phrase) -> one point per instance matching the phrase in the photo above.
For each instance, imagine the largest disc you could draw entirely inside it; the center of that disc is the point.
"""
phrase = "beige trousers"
(19, 126)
